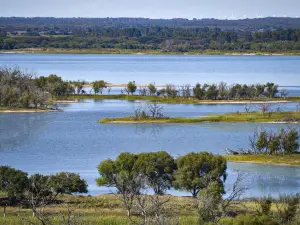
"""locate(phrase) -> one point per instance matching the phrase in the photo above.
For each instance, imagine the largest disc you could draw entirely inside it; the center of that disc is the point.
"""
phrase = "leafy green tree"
(198, 91)
(131, 87)
(118, 173)
(212, 92)
(196, 170)
(290, 141)
(272, 89)
(68, 183)
(12, 182)
(158, 168)
(98, 86)
(152, 89)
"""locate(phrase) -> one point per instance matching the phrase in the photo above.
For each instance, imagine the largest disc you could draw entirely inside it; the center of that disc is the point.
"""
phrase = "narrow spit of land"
(182, 100)
(254, 117)
(25, 110)
(277, 160)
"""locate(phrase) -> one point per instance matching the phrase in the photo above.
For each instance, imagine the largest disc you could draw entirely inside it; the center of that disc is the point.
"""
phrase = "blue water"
(73, 141)
(283, 70)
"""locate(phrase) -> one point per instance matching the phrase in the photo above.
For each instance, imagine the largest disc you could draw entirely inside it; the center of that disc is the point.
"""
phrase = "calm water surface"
(283, 70)
(73, 141)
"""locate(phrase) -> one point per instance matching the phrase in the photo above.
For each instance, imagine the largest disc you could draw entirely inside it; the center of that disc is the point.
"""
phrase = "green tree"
(12, 182)
(68, 183)
(272, 89)
(131, 87)
(289, 141)
(196, 170)
(158, 168)
(98, 86)
(198, 91)
(152, 89)
(118, 173)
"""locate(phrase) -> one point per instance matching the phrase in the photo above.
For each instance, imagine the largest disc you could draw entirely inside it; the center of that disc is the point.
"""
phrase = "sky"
(220, 9)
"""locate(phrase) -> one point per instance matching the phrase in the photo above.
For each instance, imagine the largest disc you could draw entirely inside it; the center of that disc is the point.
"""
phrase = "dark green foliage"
(158, 168)
(68, 183)
(196, 170)
(131, 87)
(286, 141)
(54, 85)
(13, 182)
(119, 173)
(98, 86)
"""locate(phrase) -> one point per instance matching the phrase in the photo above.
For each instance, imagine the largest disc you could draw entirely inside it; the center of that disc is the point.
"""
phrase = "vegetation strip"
(278, 160)
(271, 117)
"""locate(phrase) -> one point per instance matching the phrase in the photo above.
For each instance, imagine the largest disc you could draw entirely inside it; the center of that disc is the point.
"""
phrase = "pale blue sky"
(151, 8)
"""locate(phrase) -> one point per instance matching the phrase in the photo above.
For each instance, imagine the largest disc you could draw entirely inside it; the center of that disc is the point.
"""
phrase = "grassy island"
(279, 160)
(271, 117)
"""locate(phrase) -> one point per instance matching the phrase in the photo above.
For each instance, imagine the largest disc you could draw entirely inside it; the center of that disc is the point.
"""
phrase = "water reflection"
(153, 130)
(73, 141)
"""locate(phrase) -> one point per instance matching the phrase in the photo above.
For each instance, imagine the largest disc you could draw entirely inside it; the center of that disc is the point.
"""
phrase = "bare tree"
(265, 107)
(284, 93)
(156, 109)
(186, 91)
(211, 207)
(247, 108)
(143, 90)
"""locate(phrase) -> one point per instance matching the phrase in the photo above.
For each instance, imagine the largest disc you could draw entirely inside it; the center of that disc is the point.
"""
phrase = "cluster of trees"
(160, 171)
(166, 39)
(208, 91)
(22, 89)
(18, 89)
(55, 86)
(282, 142)
(37, 190)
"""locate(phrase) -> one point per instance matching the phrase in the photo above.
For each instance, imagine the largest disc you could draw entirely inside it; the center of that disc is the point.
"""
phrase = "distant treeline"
(78, 23)
(155, 38)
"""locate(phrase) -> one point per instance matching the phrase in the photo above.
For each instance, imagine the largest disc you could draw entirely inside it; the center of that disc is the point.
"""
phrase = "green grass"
(107, 210)
(176, 100)
(228, 117)
(290, 160)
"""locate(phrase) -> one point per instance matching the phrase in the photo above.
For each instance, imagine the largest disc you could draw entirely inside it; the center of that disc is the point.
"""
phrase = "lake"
(73, 140)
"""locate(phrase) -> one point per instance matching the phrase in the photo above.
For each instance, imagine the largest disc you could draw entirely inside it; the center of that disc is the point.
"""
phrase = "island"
(254, 117)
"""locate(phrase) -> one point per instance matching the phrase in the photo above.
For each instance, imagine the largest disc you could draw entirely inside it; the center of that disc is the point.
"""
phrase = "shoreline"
(27, 110)
(273, 160)
(251, 117)
(143, 52)
(181, 100)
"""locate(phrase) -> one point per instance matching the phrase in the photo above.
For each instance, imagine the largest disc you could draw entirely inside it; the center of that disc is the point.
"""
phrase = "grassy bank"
(143, 51)
(23, 110)
(283, 160)
(255, 117)
(107, 209)
(182, 100)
